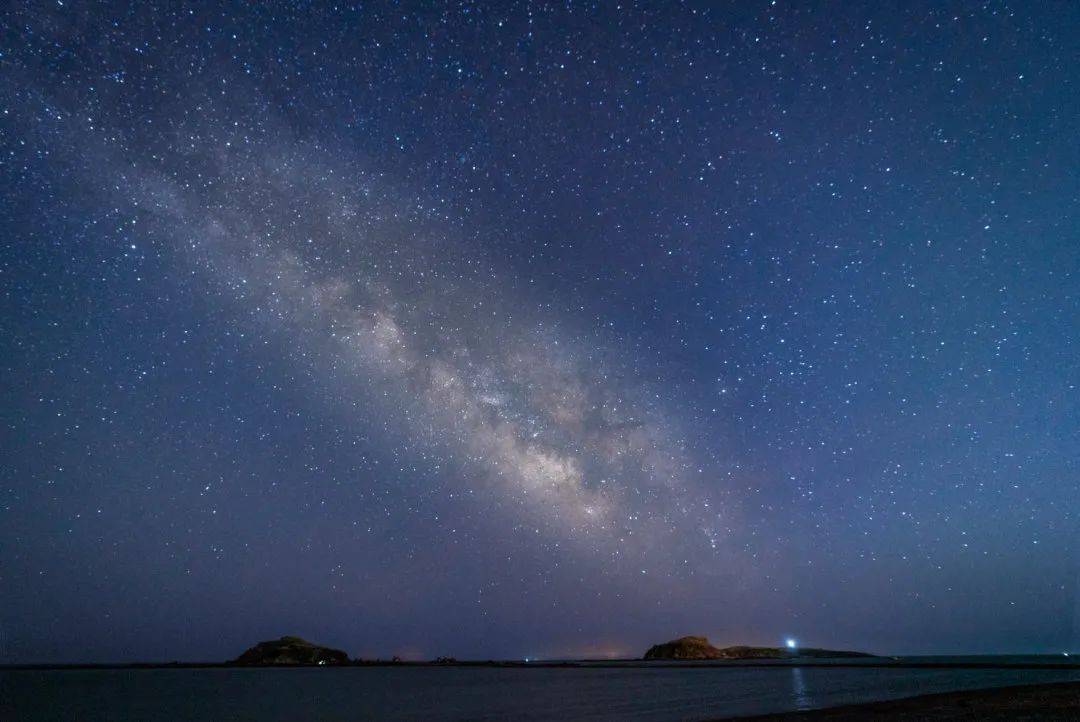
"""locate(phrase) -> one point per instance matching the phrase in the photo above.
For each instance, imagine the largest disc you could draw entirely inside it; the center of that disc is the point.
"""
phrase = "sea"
(600, 692)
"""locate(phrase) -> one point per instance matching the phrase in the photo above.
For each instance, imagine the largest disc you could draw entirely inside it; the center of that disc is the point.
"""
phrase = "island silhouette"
(291, 651)
(689, 648)
(296, 651)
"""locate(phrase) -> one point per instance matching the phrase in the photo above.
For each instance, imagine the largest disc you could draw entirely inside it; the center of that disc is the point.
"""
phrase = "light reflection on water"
(473, 693)
(798, 687)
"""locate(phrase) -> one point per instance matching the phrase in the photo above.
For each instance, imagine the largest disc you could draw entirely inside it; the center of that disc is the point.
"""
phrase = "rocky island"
(686, 648)
(291, 651)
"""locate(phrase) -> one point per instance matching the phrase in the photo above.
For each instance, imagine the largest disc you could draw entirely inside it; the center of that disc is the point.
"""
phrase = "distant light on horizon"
(790, 642)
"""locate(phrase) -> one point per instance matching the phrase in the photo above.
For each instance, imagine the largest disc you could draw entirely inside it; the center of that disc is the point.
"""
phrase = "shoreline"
(1048, 701)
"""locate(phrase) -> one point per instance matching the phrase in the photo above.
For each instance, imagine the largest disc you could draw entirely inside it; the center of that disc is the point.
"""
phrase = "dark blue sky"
(504, 330)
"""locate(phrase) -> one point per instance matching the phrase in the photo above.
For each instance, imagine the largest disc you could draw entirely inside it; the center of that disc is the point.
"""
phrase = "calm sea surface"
(462, 693)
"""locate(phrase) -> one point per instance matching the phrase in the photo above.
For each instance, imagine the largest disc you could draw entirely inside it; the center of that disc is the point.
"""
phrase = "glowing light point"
(790, 642)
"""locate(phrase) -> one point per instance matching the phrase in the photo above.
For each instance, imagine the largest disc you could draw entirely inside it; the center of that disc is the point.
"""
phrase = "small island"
(291, 651)
(691, 648)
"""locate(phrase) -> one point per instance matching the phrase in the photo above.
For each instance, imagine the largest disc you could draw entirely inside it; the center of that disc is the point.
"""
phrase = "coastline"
(1050, 701)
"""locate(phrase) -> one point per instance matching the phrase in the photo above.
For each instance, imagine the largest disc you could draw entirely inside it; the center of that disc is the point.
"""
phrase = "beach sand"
(1059, 701)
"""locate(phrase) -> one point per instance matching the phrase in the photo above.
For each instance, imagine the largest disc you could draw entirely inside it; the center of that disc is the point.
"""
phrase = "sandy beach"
(1030, 702)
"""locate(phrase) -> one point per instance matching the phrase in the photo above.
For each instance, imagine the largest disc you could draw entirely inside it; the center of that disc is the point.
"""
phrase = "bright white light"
(790, 643)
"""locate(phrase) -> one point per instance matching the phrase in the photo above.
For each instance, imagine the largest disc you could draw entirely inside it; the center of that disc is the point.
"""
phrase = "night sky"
(546, 330)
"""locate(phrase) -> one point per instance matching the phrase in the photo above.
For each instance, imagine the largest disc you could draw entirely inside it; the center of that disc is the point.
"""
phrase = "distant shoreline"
(868, 663)
(1048, 701)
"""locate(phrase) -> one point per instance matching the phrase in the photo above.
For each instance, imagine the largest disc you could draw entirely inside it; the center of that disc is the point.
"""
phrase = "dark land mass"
(1038, 702)
(684, 653)
(690, 648)
(291, 651)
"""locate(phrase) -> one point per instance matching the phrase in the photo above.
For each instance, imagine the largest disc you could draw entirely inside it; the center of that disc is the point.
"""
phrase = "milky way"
(428, 326)
(538, 330)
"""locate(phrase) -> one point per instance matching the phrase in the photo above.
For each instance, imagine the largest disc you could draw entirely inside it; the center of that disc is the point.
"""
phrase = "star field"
(524, 329)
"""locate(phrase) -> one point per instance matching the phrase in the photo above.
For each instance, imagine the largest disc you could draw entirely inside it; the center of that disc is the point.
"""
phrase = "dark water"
(462, 693)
